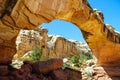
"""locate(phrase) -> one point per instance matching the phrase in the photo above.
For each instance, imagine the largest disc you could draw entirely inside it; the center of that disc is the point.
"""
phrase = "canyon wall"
(29, 14)
(52, 46)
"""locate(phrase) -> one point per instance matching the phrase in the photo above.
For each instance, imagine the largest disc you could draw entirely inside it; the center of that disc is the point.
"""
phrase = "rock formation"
(28, 14)
(52, 46)
(44, 70)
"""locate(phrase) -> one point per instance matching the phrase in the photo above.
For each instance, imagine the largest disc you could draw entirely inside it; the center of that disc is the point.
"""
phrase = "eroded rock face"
(108, 73)
(52, 46)
(27, 40)
(28, 14)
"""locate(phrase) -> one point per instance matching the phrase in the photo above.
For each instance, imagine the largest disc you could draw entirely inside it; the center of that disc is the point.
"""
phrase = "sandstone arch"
(28, 14)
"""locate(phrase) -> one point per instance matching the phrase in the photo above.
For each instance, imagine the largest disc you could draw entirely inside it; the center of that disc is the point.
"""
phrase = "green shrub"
(36, 55)
(84, 58)
(89, 74)
(33, 56)
(76, 61)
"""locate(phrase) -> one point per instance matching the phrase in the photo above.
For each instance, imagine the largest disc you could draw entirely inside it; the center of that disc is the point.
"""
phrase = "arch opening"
(63, 28)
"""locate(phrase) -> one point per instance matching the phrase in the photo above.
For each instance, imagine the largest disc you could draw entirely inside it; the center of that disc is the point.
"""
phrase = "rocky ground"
(58, 69)
(44, 70)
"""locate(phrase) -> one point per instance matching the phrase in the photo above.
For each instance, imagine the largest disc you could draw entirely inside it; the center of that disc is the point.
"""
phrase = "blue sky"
(110, 9)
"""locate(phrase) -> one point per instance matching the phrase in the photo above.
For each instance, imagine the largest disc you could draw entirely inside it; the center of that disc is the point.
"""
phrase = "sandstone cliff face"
(53, 46)
(28, 14)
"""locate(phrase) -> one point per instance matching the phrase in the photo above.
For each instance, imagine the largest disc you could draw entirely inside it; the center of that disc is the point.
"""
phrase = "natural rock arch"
(28, 14)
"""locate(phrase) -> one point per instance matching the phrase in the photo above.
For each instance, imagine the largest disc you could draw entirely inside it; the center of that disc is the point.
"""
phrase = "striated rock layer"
(28, 14)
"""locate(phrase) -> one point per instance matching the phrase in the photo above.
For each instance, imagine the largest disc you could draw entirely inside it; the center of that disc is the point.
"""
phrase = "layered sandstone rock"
(106, 73)
(52, 46)
(28, 14)
(27, 40)
(60, 47)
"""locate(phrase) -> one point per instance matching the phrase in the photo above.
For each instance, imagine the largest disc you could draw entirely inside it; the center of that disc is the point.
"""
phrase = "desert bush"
(36, 55)
(76, 61)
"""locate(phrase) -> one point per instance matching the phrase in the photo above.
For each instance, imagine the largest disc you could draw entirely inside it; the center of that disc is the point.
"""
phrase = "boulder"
(4, 70)
(47, 66)
(58, 74)
(73, 74)
(42, 70)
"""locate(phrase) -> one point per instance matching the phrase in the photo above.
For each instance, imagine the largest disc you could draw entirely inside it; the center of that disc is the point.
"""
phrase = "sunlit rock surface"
(52, 46)
(28, 14)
